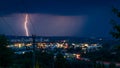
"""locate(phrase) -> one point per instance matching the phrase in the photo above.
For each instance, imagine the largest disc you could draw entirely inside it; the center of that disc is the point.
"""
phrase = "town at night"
(59, 34)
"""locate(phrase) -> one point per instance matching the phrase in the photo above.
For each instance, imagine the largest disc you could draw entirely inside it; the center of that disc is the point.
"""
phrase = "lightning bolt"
(25, 25)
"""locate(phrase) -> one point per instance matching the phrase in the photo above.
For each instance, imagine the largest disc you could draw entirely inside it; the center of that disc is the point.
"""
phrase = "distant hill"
(67, 39)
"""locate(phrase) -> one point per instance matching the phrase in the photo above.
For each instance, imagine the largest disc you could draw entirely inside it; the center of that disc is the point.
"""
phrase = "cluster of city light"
(57, 45)
(62, 45)
(74, 55)
(19, 45)
(42, 45)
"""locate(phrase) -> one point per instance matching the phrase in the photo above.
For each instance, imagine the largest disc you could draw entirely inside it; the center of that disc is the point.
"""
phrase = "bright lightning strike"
(25, 25)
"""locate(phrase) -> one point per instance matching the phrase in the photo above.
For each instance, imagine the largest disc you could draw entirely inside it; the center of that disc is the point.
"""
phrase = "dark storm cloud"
(60, 7)
(58, 17)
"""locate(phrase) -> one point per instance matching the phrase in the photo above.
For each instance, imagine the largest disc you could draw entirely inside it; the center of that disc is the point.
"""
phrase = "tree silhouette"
(116, 33)
(5, 53)
(112, 65)
(116, 26)
(60, 61)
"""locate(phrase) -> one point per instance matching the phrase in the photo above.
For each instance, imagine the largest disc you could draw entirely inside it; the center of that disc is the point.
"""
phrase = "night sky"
(80, 18)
